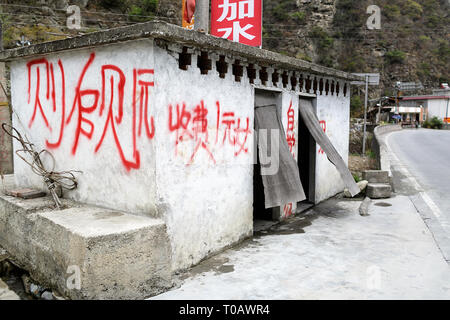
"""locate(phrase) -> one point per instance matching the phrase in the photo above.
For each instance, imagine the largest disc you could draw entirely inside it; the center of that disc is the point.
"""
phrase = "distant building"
(425, 107)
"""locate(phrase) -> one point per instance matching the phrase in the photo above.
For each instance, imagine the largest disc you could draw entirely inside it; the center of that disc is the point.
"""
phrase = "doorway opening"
(306, 162)
(262, 217)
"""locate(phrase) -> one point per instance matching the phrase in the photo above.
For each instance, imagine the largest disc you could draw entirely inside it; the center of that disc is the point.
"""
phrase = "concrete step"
(378, 190)
(6, 293)
(376, 176)
(86, 252)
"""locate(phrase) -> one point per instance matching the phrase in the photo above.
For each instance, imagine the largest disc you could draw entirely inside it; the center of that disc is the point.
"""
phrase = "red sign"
(237, 20)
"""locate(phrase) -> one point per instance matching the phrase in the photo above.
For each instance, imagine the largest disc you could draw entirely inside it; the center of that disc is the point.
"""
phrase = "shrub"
(391, 11)
(144, 11)
(300, 16)
(395, 56)
(413, 9)
(433, 21)
(355, 104)
(424, 69)
(324, 41)
(434, 123)
(371, 154)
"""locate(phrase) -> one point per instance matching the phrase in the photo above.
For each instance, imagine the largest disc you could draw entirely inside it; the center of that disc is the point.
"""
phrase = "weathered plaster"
(335, 111)
(104, 180)
(207, 203)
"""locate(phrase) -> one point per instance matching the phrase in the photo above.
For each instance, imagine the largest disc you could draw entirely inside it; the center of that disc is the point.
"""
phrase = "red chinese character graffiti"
(323, 124)
(81, 109)
(143, 105)
(181, 125)
(193, 125)
(86, 102)
(240, 135)
(111, 121)
(290, 134)
(37, 101)
(287, 210)
(50, 76)
(198, 131)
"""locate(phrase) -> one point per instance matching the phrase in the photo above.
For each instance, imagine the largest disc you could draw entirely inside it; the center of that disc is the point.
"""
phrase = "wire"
(63, 179)
(84, 11)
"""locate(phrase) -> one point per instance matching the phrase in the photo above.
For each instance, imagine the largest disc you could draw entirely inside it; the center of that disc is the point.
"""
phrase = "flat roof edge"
(170, 32)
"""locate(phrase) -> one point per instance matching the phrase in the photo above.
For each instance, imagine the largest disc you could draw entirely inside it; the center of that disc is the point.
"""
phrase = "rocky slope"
(412, 45)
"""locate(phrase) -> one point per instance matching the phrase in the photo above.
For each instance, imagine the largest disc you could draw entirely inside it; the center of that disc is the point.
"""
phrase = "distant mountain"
(412, 45)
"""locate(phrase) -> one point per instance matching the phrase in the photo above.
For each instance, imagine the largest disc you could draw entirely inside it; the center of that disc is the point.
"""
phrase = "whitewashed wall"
(105, 179)
(289, 116)
(195, 172)
(208, 203)
(335, 111)
(437, 108)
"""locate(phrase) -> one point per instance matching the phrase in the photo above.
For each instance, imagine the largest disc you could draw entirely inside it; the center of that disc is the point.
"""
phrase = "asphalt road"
(426, 155)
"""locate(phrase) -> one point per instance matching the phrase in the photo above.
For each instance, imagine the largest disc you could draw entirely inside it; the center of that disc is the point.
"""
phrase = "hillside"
(412, 45)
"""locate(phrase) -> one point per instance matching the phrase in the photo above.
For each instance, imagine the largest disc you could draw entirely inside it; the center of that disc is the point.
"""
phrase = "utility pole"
(202, 16)
(379, 110)
(365, 115)
(446, 114)
(1, 36)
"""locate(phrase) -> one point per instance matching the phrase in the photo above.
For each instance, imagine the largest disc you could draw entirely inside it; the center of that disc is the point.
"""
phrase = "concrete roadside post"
(365, 115)
(372, 79)
(202, 16)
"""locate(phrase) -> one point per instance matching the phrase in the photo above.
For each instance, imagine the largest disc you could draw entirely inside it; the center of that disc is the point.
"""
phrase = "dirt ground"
(358, 164)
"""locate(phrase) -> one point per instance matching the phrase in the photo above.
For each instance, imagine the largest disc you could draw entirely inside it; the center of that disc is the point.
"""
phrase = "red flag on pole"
(188, 10)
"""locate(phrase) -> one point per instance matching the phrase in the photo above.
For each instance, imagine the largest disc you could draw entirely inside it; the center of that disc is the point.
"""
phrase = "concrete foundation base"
(378, 190)
(86, 252)
(376, 176)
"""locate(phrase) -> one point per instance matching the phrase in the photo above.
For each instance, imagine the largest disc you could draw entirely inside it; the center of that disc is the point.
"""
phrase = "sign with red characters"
(237, 20)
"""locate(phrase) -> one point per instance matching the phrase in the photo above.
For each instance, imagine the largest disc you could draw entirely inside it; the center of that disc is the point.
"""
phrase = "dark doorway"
(262, 97)
(306, 160)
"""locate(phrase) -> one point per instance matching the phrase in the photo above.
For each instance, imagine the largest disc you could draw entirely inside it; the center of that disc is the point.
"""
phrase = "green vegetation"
(144, 11)
(371, 154)
(412, 9)
(395, 56)
(299, 16)
(356, 177)
(424, 70)
(324, 43)
(35, 34)
(356, 104)
(303, 56)
(434, 123)
(391, 11)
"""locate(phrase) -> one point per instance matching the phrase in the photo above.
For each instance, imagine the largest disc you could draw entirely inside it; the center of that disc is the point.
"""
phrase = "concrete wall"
(6, 158)
(334, 115)
(118, 171)
(206, 191)
(379, 145)
(289, 116)
(438, 108)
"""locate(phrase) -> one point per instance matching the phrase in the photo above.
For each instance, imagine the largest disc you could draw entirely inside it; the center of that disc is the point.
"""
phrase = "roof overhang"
(175, 34)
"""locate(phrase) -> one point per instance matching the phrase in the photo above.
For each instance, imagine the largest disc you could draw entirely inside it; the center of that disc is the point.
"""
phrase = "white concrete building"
(160, 121)
(428, 106)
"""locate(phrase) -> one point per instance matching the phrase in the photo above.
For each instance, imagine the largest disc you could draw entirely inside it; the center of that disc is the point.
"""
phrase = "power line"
(81, 11)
